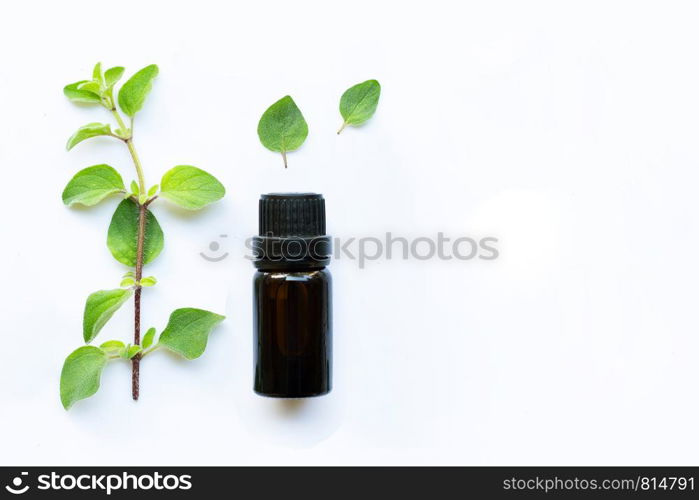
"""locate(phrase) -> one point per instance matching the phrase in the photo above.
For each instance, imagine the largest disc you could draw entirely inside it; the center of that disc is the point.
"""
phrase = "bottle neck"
(291, 252)
(285, 268)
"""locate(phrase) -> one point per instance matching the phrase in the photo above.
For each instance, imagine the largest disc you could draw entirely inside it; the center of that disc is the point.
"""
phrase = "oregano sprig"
(134, 237)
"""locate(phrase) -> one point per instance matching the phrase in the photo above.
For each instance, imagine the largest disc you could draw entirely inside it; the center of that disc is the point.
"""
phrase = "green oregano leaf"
(127, 282)
(187, 331)
(97, 73)
(359, 102)
(74, 93)
(122, 134)
(113, 75)
(124, 353)
(92, 184)
(122, 234)
(80, 377)
(282, 127)
(148, 338)
(133, 350)
(153, 189)
(133, 93)
(148, 281)
(112, 346)
(88, 131)
(99, 308)
(91, 86)
(134, 188)
(190, 187)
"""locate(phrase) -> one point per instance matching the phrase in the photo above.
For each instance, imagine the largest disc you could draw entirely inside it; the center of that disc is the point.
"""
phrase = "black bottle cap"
(292, 214)
(291, 232)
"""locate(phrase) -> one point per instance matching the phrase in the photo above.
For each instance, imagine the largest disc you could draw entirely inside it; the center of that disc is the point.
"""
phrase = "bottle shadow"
(293, 422)
(290, 408)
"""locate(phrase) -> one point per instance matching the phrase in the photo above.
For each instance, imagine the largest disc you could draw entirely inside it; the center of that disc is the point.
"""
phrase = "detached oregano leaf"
(133, 93)
(282, 127)
(88, 131)
(92, 184)
(187, 331)
(122, 236)
(190, 187)
(99, 308)
(80, 377)
(359, 102)
(74, 93)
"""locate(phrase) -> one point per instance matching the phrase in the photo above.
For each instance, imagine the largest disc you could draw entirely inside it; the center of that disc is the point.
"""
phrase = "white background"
(568, 130)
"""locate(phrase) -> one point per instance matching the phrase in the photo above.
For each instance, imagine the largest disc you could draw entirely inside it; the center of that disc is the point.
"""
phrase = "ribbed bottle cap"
(292, 214)
(292, 232)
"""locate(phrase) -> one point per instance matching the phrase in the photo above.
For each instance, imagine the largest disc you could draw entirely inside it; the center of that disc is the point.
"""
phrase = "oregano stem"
(137, 164)
(136, 361)
(119, 120)
(132, 149)
(142, 213)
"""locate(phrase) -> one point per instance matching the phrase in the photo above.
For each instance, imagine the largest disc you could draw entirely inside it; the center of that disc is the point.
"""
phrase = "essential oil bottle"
(292, 307)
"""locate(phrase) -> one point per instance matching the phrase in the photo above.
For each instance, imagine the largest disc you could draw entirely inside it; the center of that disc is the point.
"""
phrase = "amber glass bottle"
(292, 297)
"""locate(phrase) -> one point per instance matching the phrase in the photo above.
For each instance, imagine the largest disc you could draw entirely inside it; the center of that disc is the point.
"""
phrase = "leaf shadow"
(183, 213)
(177, 358)
(85, 105)
(79, 208)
